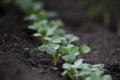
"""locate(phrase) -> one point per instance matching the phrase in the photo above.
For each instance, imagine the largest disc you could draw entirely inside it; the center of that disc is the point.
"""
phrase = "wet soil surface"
(20, 59)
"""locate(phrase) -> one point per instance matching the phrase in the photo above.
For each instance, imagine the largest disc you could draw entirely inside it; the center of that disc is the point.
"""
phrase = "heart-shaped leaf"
(74, 50)
(106, 77)
(69, 57)
(37, 35)
(78, 63)
(48, 49)
(71, 38)
(84, 49)
(66, 66)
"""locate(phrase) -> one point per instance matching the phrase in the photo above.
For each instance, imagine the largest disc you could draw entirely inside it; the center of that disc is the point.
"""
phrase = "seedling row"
(57, 43)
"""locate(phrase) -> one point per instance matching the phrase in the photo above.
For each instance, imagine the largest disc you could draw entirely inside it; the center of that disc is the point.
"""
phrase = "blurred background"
(105, 12)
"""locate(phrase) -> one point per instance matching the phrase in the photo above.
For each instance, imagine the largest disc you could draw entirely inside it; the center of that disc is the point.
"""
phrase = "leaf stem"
(55, 59)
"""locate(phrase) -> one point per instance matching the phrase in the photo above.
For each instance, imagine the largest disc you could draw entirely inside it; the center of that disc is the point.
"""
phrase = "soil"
(20, 59)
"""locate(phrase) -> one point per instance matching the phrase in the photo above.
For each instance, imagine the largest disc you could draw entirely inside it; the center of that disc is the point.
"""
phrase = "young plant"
(28, 6)
(42, 15)
(84, 71)
(61, 38)
(57, 39)
(52, 50)
(70, 52)
(45, 29)
(69, 71)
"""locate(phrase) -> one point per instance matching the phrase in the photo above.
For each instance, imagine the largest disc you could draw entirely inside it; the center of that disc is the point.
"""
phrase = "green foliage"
(45, 29)
(52, 50)
(40, 16)
(58, 40)
(75, 50)
(71, 38)
(69, 58)
(48, 48)
(85, 71)
(28, 6)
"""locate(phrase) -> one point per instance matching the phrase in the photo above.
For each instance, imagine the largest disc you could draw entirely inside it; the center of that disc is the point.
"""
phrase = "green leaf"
(83, 73)
(47, 38)
(85, 66)
(64, 50)
(31, 17)
(99, 66)
(37, 35)
(66, 66)
(59, 32)
(69, 57)
(43, 48)
(69, 46)
(48, 49)
(51, 31)
(37, 25)
(88, 78)
(71, 38)
(84, 49)
(41, 15)
(57, 40)
(106, 77)
(28, 6)
(64, 41)
(97, 72)
(93, 78)
(74, 50)
(55, 46)
(42, 30)
(78, 63)
(57, 23)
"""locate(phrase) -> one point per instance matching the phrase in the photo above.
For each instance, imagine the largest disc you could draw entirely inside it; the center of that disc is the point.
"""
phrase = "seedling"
(45, 23)
(58, 40)
(28, 6)
(40, 16)
(71, 49)
(52, 50)
(84, 71)
(70, 52)
(45, 29)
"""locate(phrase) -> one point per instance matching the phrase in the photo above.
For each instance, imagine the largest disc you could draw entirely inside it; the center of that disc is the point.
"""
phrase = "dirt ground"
(20, 60)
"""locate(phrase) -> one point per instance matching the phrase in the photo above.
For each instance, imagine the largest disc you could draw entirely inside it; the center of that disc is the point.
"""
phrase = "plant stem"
(71, 76)
(55, 59)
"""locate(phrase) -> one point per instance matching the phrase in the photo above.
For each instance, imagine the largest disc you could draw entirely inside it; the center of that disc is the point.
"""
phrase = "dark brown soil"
(20, 60)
